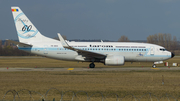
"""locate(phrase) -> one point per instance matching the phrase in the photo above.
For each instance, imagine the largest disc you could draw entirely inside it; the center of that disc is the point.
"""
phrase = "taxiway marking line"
(155, 68)
(70, 69)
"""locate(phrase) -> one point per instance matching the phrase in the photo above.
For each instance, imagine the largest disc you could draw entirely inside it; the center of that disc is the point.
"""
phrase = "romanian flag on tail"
(15, 10)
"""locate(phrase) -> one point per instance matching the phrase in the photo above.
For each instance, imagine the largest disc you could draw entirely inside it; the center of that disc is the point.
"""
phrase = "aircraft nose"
(172, 55)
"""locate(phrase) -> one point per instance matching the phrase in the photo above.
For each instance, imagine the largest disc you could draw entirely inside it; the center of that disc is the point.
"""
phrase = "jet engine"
(115, 60)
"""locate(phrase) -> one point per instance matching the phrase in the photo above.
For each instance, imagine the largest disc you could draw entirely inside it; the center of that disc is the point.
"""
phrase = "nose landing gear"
(154, 66)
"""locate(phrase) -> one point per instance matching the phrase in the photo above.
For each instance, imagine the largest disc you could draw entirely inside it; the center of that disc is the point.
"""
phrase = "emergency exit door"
(45, 49)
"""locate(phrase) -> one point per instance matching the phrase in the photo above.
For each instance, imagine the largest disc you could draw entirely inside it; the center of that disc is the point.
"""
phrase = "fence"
(80, 96)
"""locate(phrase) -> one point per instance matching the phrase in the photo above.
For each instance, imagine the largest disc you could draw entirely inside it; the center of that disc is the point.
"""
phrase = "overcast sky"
(95, 19)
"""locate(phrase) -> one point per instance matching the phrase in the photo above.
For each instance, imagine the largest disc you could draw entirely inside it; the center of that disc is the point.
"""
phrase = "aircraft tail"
(26, 31)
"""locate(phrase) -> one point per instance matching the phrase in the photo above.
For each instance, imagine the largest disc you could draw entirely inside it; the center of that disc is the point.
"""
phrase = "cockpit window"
(163, 49)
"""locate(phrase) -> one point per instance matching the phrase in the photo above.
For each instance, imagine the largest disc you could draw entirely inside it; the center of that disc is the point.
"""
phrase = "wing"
(85, 53)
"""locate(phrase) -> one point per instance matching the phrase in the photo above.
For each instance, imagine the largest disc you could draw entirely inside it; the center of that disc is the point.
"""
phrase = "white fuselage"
(132, 52)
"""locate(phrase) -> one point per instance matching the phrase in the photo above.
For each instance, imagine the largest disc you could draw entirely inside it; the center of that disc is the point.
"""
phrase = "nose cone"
(172, 55)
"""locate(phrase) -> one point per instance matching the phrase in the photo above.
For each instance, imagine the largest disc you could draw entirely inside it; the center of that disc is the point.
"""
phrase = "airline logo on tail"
(25, 28)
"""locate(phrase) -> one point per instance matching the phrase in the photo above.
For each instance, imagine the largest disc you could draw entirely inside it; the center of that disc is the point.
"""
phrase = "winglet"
(63, 42)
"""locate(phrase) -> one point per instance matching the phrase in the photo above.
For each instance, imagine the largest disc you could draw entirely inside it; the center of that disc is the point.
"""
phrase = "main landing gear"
(92, 65)
(154, 66)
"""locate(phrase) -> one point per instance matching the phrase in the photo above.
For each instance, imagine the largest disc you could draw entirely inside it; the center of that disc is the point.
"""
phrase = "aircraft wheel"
(92, 65)
(154, 66)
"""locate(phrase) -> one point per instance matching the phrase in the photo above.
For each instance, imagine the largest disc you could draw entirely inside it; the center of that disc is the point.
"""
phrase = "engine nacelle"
(114, 60)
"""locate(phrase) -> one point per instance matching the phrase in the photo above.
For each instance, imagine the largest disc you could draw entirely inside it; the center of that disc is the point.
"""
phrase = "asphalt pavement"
(91, 69)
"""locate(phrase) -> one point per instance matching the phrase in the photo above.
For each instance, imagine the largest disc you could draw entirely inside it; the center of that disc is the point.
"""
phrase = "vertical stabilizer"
(26, 31)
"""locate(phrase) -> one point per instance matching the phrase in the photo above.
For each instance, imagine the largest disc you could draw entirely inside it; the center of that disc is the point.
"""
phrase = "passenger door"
(152, 50)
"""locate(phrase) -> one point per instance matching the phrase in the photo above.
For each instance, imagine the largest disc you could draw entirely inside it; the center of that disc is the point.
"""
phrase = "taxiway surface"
(90, 69)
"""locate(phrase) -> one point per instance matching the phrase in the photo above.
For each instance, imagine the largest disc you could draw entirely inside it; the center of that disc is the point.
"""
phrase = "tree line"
(165, 40)
(9, 49)
(162, 39)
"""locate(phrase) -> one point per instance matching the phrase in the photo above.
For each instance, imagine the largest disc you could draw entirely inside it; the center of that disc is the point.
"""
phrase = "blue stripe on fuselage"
(95, 50)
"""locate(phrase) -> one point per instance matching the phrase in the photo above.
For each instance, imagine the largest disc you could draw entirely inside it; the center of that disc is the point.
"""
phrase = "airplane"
(108, 53)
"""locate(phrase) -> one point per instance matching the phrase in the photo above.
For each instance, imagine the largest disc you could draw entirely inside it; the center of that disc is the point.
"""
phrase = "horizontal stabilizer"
(19, 43)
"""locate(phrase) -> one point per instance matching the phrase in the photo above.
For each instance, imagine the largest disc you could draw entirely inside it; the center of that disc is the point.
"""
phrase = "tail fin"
(26, 31)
